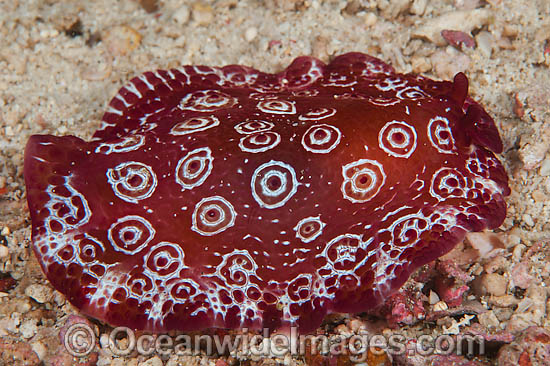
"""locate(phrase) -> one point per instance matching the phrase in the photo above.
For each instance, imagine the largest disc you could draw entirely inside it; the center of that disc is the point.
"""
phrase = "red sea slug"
(228, 197)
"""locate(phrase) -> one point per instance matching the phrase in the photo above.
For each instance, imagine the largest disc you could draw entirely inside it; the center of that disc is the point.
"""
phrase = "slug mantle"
(228, 197)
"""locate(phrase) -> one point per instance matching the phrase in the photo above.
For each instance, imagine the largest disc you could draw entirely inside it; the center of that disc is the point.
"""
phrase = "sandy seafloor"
(57, 77)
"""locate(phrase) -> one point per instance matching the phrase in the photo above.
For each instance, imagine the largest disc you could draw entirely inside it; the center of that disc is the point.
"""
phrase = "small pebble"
(533, 150)
(485, 42)
(510, 30)
(49, 33)
(181, 16)
(434, 298)
(520, 276)
(149, 6)
(485, 243)
(546, 185)
(11, 324)
(545, 167)
(391, 9)
(202, 14)
(28, 328)
(517, 253)
(513, 238)
(59, 298)
(488, 319)
(441, 306)
(524, 305)
(418, 7)
(370, 19)
(458, 39)
(39, 293)
(121, 40)
(504, 301)
(538, 295)
(40, 349)
(528, 220)
(518, 323)
(495, 264)
(420, 64)
(492, 284)
(23, 306)
(4, 252)
(250, 34)
(104, 341)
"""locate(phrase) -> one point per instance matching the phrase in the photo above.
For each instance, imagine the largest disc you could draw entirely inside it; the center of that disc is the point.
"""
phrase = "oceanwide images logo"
(80, 340)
